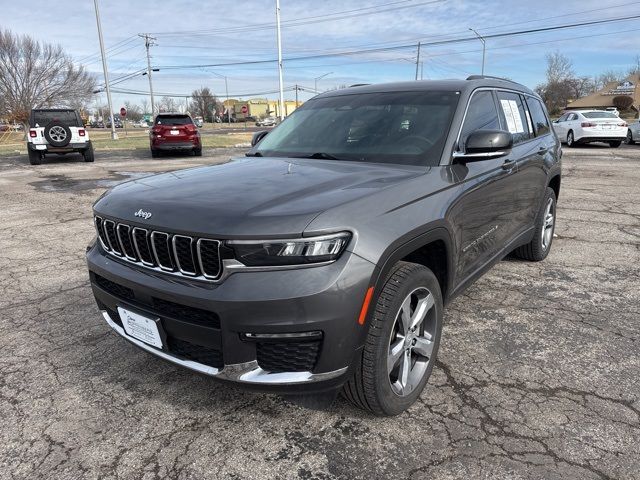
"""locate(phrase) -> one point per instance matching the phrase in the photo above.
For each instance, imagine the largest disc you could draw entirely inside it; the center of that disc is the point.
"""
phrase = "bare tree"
(203, 104)
(133, 111)
(607, 77)
(559, 67)
(167, 104)
(144, 104)
(36, 75)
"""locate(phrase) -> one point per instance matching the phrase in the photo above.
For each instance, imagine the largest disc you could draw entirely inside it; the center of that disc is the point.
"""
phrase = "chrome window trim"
(119, 236)
(155, 253)
(175, 254)
(135, 244)
(220, 269)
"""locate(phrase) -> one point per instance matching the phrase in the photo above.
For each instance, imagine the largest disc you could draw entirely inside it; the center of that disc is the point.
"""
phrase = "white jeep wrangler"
(60, 131)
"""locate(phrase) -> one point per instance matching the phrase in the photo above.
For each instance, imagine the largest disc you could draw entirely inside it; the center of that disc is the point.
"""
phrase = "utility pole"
(296, 95)
(418, 61)
(484, 47)
(114, 135)
(148, 42)
(279, 37)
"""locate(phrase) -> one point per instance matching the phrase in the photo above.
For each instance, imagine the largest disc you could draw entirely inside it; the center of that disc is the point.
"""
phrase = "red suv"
(174, 131)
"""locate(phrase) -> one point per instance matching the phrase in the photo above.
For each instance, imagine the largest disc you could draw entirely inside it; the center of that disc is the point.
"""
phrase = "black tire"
(370, 386)
(571, 142)
(536, 250)
(154, 153)
(629, 140)
(57, 129)
(88, 153)
(197, 152)
(35, 158)
(615, 143)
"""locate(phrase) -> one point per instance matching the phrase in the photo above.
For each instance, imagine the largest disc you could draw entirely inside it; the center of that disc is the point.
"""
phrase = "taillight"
(588, 124)
(81, 132)
(623, 124)
(33, 133)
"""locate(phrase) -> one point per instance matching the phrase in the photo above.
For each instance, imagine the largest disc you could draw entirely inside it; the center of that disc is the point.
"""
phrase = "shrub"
(622, 102)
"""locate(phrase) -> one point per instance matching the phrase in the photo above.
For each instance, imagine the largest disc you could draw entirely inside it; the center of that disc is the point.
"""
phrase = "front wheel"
(402, 343)
(540, 245)
(615, 143)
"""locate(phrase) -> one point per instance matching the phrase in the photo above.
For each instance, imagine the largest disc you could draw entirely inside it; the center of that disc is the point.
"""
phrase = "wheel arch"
(554, 183)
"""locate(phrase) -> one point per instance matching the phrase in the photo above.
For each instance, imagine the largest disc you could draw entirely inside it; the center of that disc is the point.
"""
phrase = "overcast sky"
(201, 32)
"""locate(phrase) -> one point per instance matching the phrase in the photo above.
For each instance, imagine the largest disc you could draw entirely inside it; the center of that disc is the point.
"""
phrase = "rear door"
(486, 208)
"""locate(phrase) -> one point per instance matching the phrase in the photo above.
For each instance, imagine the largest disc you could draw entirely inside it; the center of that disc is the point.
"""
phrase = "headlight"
(298, 251)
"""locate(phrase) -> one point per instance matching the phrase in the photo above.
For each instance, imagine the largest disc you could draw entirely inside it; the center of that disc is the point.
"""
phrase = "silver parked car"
(633, 133)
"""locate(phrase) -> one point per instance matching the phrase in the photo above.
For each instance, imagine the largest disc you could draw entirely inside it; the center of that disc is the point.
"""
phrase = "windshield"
(599, 115)
(43, 117)
(173, 120)
(407, 128)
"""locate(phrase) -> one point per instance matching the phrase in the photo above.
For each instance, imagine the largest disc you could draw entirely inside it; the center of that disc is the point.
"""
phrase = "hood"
(248, 197)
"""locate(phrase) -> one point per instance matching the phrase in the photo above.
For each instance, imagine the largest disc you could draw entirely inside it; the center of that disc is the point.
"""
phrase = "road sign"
(244, 109)
(123, 112)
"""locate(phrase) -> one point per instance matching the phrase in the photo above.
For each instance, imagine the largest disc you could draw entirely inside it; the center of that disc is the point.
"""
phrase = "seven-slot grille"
(178, 254)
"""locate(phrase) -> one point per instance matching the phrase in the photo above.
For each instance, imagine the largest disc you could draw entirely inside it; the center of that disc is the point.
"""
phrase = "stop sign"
(123, 112)
(244, 109)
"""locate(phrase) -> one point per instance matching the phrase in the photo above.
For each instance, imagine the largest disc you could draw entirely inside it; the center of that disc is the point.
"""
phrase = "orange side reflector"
(365, 306)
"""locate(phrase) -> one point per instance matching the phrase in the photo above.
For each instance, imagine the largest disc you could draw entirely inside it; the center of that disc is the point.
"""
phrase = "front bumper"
(325, 299)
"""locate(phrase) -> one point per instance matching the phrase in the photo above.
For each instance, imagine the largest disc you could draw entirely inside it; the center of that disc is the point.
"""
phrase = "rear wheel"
(615, 143)
(35, 157)
(629, 140)
(155, 153)
(402, 343)
(570, 140)
(88, 154)
(538, 248)
(197, 152)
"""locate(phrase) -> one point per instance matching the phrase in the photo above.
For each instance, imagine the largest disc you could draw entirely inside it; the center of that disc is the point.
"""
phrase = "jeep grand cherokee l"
(324, 258)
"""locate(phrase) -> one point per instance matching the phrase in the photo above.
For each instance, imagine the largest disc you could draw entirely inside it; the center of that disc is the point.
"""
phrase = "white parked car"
(585, 126)
(633, 133)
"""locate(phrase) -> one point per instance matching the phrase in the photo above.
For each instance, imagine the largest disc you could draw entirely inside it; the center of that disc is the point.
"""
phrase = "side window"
(540, 121)
(481, 115)
(563, 118)
(515, 116)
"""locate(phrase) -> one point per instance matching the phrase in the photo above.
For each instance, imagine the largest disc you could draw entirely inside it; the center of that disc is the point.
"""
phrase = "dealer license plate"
(174, 132)
(138, 326)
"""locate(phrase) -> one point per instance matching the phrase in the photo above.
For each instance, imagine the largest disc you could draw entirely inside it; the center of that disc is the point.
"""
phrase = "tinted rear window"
(43, 117)
(599, 115)
(173, 120)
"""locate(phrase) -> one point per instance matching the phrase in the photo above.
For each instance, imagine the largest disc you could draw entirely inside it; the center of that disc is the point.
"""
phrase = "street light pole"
(114, 135)
(484, 47)
(319, 78)
(279, 37)
(226, 88)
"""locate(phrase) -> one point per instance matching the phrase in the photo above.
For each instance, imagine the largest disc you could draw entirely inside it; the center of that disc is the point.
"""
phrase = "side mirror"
(485, 145)
(258, 136)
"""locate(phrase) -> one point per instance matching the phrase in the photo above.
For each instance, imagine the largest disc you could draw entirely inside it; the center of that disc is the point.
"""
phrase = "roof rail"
(480, 77)
(359, 85)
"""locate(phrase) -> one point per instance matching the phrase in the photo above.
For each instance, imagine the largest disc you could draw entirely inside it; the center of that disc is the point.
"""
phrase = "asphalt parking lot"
(538, 372)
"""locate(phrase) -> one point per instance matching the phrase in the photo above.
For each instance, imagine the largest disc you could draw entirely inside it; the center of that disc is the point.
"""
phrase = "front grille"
(114, 289)
(197, 353)
(277, 357)
(186, 313)
(168, 252)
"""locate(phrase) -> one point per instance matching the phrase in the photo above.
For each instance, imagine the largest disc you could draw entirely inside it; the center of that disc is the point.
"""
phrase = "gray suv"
(322, 261)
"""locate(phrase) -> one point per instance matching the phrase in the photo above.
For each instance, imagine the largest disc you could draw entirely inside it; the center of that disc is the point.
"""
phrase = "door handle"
(508, 164)
(542, 150)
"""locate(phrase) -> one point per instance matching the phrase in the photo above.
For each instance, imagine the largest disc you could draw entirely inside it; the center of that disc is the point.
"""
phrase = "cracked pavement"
(538, 373)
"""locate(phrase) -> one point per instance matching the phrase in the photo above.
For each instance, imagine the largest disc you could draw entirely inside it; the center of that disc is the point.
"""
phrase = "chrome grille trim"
(202, 269)
(119, 230)
(155, 252)
(177, 257)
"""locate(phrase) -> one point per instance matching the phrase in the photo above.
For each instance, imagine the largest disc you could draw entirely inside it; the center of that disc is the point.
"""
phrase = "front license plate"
(174, 132)
(138, 326)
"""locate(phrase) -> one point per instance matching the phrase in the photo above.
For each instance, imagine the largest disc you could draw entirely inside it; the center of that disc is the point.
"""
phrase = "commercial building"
(604, 98)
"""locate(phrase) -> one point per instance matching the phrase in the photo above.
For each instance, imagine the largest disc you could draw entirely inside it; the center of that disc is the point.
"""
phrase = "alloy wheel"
(57, 134)
(570, 139)
(629, 139)
(411, 342)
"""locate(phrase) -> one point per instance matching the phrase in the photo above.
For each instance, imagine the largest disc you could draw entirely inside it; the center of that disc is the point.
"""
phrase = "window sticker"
(512, 115)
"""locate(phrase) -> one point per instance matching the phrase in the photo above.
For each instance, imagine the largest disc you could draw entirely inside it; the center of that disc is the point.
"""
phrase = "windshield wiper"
(321, 156)
(255, 154)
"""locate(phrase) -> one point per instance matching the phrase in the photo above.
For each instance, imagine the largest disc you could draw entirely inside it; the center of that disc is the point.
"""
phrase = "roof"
(604, 98)
(470, 83)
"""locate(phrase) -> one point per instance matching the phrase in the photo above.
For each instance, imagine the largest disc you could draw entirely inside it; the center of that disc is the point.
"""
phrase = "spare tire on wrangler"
(57, 134)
